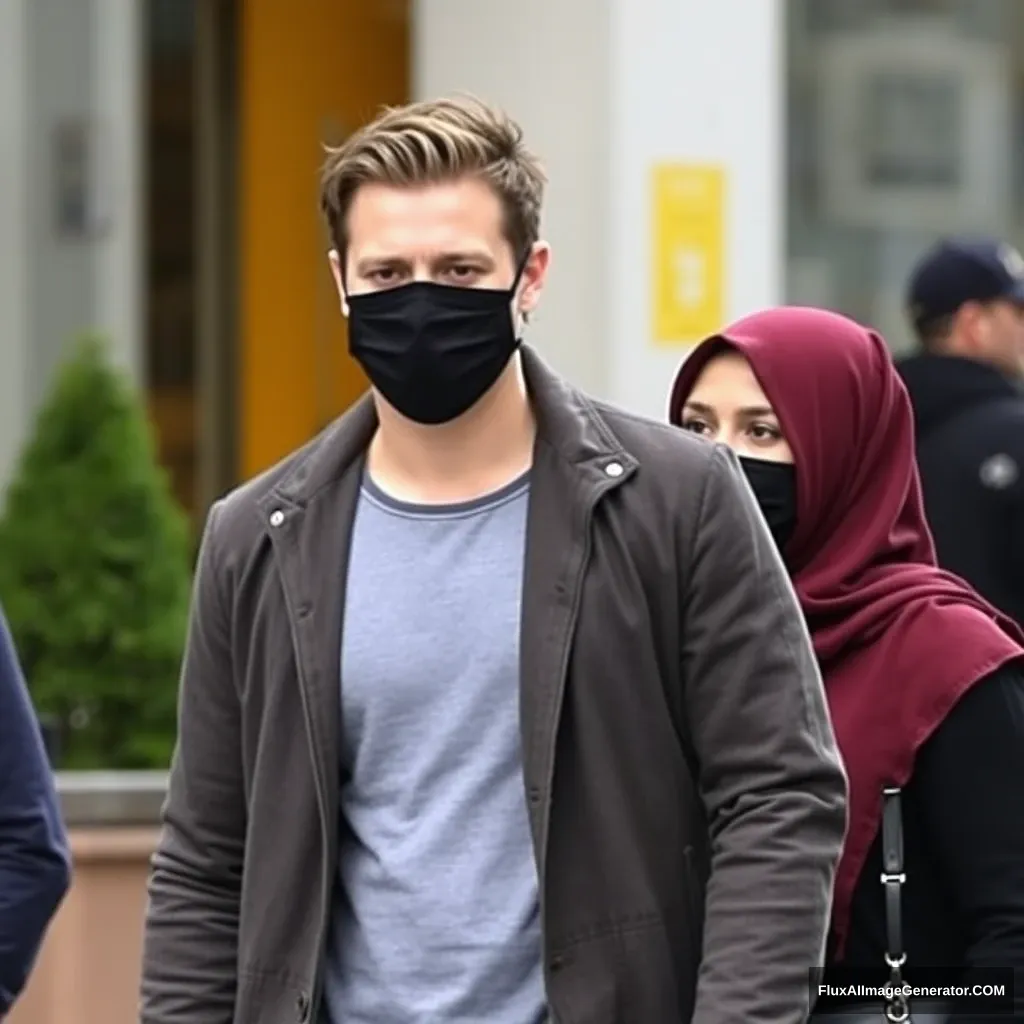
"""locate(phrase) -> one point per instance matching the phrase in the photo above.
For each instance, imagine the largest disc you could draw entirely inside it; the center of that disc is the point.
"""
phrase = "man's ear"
(971, 327)
(337, 272)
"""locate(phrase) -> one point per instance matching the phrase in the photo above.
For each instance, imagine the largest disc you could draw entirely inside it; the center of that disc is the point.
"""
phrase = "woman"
(924, 679)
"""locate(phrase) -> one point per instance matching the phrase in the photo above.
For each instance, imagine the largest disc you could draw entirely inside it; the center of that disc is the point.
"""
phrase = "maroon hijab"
(899, 641)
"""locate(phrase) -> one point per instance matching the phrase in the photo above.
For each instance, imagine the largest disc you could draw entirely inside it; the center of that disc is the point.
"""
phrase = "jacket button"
(302, 1007)
(276, 517)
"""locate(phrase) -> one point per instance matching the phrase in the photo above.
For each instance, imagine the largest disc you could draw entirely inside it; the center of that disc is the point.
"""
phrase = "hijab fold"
(899, 641)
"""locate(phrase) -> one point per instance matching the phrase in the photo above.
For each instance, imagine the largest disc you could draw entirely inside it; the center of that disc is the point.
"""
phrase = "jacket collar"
(567, 421)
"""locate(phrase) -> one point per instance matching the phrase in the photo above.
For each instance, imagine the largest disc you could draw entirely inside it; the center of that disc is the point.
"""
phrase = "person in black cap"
(966, 304)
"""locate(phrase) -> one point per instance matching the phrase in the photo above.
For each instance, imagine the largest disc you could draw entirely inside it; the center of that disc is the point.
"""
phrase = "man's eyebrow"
(381, 261)
(464, 257)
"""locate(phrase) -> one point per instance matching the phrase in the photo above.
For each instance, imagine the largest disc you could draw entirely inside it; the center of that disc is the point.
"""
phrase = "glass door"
(170, 349)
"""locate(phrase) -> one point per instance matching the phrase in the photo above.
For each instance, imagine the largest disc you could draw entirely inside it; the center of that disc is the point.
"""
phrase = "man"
(498, 705)
(966, 300)
(34, 859)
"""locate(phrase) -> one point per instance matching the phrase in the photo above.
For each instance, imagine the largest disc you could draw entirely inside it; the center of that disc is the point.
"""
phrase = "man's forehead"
(468, 203)
(447, 218)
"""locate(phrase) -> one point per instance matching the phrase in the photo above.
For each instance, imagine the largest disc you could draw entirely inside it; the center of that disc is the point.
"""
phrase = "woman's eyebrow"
(704, 410)
(749, 411)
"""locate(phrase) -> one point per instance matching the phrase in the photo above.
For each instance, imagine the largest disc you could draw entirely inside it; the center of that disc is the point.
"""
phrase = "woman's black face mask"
(774, 486)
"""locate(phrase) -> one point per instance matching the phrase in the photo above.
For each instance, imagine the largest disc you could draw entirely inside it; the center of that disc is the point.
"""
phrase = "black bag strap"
(893, 877)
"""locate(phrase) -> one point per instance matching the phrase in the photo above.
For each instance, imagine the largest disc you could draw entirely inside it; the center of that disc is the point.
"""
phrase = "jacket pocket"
(633, 974)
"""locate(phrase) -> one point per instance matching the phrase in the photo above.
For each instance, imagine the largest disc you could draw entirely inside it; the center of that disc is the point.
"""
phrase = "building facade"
(159, 158)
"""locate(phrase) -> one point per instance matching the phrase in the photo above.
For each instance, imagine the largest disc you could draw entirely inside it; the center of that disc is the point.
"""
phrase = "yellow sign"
(688, 264)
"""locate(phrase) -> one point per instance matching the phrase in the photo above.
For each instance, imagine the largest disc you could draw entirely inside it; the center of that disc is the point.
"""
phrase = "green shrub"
(95, 571)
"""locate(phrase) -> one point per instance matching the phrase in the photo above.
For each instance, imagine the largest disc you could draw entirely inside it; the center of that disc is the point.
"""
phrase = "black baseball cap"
(956, 271)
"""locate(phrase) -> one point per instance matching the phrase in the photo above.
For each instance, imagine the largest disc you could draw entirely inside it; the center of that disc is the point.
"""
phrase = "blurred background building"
(158, 174)
(158, 182)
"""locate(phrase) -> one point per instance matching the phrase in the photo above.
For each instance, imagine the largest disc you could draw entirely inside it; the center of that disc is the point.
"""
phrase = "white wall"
(604, 89)
(700, 81)
(14, 297)
(119, 89)
(61, 60)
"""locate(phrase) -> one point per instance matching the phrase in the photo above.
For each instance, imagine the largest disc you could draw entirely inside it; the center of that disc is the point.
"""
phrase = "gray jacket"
(686, 795)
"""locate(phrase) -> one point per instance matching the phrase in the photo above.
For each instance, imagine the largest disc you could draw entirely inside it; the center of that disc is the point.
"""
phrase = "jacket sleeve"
(769, 768)
(967, 780)
(34, 859)
(1002, 581)
(191, 929)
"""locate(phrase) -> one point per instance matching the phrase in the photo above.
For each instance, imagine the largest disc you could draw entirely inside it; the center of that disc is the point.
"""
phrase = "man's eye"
(386, 277)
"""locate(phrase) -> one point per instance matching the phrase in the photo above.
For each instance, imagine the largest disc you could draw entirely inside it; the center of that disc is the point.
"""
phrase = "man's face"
(999, 336)
(450, 233)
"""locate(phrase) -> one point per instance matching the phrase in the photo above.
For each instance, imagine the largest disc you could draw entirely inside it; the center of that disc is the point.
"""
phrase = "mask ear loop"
(520, 315)
(518, 279)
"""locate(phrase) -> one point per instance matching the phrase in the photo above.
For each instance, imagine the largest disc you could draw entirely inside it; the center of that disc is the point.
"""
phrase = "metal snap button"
(614, 469)
(276, 517)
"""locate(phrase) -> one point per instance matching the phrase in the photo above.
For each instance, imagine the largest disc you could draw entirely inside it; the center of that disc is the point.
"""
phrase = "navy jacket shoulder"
(34, 859)
(969, 422)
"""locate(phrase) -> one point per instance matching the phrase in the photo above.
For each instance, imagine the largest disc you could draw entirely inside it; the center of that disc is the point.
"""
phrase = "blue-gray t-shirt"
(436, 918)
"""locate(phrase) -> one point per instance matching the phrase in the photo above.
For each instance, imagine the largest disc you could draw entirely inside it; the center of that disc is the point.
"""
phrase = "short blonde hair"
(436, 141)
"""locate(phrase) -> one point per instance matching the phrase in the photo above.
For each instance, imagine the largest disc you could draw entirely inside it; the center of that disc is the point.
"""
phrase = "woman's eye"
(765, 432)
(695, 426)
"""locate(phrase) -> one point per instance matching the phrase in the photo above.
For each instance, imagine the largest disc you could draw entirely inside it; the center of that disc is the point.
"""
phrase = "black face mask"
(433, 350)
(774, 486)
